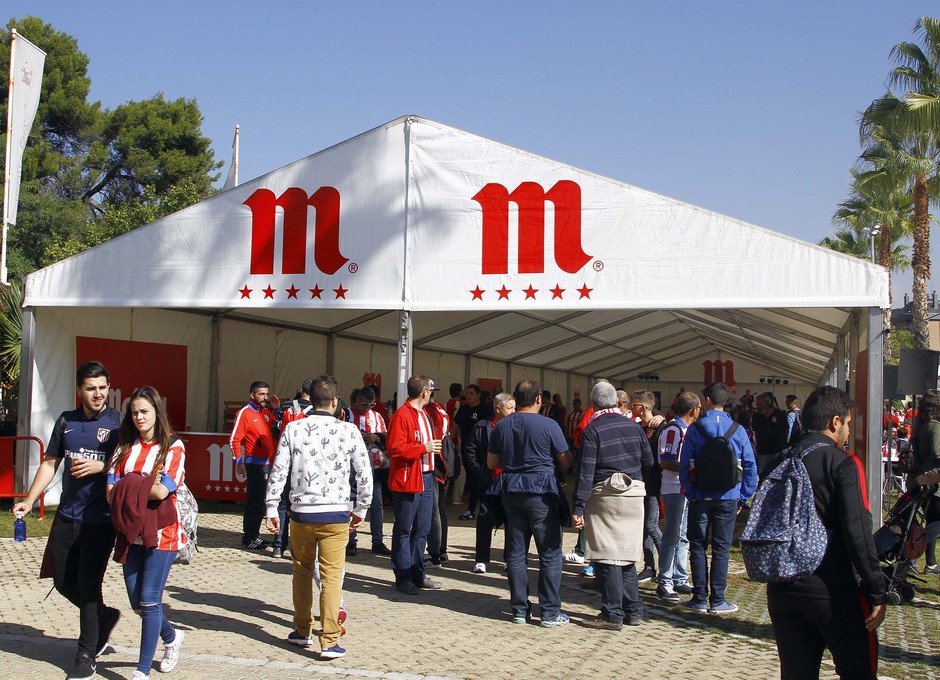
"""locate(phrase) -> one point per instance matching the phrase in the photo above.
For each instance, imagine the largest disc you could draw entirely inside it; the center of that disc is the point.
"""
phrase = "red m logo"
(263, 204)
(530, 199)
(719, 371)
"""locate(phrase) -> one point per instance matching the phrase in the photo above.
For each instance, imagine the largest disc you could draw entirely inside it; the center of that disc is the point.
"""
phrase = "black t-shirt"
(75, 436)
(467, 416)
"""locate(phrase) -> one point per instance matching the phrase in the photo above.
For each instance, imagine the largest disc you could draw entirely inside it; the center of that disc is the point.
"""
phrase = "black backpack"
(716, 464)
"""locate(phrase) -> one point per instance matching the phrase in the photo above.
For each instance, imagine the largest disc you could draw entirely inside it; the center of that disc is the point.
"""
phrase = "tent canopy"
(499, 253)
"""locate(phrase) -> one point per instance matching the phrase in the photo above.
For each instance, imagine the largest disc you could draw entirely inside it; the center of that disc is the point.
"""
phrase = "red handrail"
(42, 455)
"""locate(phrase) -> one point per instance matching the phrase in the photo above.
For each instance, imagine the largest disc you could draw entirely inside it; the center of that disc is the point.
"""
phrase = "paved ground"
(235, 607)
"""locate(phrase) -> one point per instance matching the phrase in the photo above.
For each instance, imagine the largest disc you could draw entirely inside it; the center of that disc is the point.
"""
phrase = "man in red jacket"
(253, 449)
(411, 449)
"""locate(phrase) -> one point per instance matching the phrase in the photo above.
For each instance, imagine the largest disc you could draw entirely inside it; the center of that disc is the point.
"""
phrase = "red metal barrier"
(7, 474)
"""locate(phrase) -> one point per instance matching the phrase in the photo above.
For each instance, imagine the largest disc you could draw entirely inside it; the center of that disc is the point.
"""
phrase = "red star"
(340, 292)
(477, 293)
(557, 291)
(315, 292)
(530, 292)
(268, 292)
(503, 293)
(585, 291)
(246, 292)
(292, 292)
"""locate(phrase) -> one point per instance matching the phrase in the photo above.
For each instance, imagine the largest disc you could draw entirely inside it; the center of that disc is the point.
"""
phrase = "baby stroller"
(901, 541)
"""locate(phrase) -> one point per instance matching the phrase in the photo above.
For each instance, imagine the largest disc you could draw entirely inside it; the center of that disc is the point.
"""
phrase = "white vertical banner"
(231, 180)
(26, 64)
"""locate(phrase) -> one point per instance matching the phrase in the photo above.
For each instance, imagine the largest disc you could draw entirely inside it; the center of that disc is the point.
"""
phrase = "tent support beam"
(405, 354)
(874, 467)
(23, 421)
(215, 387)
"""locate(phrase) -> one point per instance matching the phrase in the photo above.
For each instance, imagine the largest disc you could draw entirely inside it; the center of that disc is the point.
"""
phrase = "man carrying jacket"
(710, 510)
(832, 608)
(411, 449)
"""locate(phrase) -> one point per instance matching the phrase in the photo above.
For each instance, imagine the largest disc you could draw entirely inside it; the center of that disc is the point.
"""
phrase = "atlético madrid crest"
(103, 434)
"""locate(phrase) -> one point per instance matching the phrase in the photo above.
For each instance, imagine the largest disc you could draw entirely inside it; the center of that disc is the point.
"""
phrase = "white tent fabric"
(506, 258)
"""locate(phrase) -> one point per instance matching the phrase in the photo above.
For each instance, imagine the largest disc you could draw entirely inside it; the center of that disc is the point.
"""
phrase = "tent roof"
(512, 256)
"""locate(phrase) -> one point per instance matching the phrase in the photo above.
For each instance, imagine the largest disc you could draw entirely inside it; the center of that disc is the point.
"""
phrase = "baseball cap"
(432, 386)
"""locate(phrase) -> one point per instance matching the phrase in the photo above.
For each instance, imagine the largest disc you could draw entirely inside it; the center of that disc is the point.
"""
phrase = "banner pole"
(6, 164)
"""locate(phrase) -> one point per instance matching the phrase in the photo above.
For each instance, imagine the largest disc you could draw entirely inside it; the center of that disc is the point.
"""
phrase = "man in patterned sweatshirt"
(314, 457)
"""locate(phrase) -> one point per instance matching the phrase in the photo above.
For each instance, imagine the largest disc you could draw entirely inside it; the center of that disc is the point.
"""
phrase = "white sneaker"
(479, 568)
(574, 557)
(932, 569)
(171, 653)
(139, 676)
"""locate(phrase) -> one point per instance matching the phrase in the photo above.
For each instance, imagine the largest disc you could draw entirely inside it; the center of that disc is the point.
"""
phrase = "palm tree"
(905, 133)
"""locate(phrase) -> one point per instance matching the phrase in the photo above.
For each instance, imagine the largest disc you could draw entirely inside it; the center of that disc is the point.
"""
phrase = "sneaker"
(106, 626)
(523, 618)
(277, 553)
(574, 557)
(296, 638)
(257, 544)
(431, 584)
(84, 667)
(479, 568)
(588, 571)
(380, 549)
(171, 653)
(334, 652)
(667, 594)
(600, 622)
(724, 607)
(467, 516)
(137, 675)
(646, 575)
(634, 620)
(932, 569)
(696, 606)
(431, 563)
(407, 588)
(351, 550)
(443, 558)
(555, 621)
(683, 588)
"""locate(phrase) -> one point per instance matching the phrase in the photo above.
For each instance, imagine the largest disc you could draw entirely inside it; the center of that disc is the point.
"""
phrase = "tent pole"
(23, 420)
(874, 467)
(467, 380)
(215, 349)
(404, 355)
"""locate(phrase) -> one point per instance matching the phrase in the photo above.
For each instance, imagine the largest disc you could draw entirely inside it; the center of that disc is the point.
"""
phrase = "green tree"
(903, 131)
(82, 163)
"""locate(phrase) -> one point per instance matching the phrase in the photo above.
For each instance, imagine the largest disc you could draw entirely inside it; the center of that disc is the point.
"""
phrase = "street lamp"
(872, 233)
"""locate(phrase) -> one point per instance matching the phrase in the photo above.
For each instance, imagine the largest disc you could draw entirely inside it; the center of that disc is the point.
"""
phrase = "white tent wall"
(354, 358)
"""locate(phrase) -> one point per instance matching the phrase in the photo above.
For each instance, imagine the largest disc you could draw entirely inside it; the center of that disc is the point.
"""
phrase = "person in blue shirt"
(710, 511)
(82, 537)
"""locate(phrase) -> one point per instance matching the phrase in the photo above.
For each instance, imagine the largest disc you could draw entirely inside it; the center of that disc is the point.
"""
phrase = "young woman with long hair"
(147, 446)
(925, 441)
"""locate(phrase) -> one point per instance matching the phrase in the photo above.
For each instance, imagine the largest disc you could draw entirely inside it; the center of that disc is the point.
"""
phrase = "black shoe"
(443, 558)
(408, 588)
(257, 544)
(634, 620)
(351, 550)
(683, 588)
(468, 515)
(84, 667)
(380, 549)
(109, 619)
(646, 575)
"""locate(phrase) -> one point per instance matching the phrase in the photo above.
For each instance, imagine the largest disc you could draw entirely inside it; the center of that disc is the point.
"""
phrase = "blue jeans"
(145, 574)
(535, 516)
(620, 591)
(719, 517)
(282, 538)
(410, 532)
(652, 536)
(377, 509)
(674, 551)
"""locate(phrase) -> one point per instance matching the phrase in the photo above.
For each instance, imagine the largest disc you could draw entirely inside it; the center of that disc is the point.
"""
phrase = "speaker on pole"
(917, 371)
(890, 383)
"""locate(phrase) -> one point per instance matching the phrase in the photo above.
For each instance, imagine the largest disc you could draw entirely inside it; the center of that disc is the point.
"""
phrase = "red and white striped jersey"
(141, 459)
(371, 422)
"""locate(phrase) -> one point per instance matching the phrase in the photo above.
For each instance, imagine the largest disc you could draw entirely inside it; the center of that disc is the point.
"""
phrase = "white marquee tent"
(418, 245)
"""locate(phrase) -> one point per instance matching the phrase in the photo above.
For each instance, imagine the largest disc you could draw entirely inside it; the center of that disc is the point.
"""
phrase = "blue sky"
(746, 108)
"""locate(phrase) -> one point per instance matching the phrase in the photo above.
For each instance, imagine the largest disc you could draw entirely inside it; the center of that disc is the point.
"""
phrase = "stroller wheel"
(894, 597)
(907, 592)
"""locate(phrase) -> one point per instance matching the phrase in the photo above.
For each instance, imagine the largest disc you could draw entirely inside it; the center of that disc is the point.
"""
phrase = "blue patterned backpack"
(784, 539)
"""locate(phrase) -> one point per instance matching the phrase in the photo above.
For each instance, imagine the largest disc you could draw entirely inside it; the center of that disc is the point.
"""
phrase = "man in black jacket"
(829, 608)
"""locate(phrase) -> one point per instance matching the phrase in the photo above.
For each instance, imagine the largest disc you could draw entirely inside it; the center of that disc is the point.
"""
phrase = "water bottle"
(19, 528)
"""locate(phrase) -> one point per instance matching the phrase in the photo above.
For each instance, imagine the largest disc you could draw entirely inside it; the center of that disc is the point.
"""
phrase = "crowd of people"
(315, 470)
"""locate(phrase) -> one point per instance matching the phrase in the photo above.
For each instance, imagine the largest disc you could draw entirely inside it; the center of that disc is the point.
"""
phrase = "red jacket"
(408, 433)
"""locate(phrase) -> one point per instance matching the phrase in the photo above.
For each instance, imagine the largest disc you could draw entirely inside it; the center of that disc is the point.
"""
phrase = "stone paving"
(235, 607)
